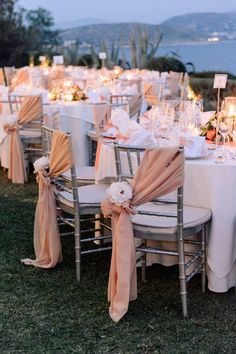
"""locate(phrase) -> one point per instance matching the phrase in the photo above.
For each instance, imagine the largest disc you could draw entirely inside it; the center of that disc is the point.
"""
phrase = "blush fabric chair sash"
(30, 110)
(21, 78)
(161, 171)
(47, 243)
(101, 114)
(135, 105)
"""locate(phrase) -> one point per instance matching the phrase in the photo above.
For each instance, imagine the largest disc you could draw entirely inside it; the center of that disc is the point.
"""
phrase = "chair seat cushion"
(30, 133)
(193, 217)
(83, 173)
(92, 134)
(93, 194)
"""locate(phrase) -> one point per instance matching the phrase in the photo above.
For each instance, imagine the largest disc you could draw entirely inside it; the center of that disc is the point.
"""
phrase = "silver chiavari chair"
(167, 220)
(85, 174)
(30, 132)
(79, 209)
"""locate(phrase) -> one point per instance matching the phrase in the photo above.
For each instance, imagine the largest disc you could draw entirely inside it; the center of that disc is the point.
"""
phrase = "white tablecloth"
(209, 185)
(76, 118)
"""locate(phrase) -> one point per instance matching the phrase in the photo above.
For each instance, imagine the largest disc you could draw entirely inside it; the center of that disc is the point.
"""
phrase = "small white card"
(42, 58)
(58, 60)
(102, 55)
(220, 81)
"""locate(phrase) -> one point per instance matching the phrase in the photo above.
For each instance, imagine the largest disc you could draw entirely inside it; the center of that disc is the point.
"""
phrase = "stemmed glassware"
(225, 127)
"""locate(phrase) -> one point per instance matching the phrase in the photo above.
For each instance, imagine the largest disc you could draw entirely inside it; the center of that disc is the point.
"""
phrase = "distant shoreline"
(170, 44)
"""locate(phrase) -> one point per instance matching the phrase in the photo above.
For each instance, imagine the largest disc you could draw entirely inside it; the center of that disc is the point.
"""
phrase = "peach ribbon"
(101, 113)
(161, 171)
(22, 77)
(47, 244)
(135, 104)
(30, 110)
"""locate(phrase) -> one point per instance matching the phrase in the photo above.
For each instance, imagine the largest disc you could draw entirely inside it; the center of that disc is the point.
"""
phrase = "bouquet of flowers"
(78, 94)
(209, 129)
(67, 92)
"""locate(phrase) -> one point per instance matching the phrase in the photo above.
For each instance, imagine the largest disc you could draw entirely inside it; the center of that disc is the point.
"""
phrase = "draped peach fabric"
(16, 170)
(135, 105)
(161, 171)
(2, 81)
(22, 77)
(101, 113)
(30, 110)
(47, 244)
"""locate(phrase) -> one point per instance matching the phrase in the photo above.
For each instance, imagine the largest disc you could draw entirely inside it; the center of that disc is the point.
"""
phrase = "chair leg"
(182, 278)
(144, 263)
(77, 234)
(183, 288)
(203, 273)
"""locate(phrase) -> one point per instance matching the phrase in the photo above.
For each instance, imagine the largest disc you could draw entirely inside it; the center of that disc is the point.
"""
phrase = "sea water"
(219, 56)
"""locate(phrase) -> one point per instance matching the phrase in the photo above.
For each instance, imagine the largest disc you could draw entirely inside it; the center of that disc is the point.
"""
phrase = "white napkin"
(120, 119)
(195, 146)
(99, 95)
(206, 116)
(140, 137)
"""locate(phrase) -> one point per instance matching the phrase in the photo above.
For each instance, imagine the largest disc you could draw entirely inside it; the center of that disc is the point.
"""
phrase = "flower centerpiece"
(77, 93)
(223, 122)
(67, 92)
(209, 129)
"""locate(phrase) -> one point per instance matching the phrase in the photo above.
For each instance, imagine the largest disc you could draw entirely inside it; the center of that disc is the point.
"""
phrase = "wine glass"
(224, 127)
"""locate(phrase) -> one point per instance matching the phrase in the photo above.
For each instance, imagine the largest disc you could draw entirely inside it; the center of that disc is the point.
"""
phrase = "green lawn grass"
(47, 311)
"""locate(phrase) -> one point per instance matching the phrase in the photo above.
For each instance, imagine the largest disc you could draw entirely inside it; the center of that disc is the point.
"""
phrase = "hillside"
(206, 23)
(180, 29)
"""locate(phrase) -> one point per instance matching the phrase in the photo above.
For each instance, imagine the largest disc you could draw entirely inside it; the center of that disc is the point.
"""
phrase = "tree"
(12, 33)
(39, 29)
(24, 32)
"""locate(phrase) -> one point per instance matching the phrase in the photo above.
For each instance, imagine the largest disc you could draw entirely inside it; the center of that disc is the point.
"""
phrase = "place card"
(220, 81)
(102, 55)
(42, 58)
(58, 60)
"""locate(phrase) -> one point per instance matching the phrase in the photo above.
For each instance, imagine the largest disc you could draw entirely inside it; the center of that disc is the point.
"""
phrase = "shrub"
(210, 74)
(204, 88)
(88, 60)
(166, 64)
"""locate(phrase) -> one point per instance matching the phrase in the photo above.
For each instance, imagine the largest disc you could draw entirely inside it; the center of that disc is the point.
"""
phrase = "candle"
(68, 97)
(52, 96)
(231, 110)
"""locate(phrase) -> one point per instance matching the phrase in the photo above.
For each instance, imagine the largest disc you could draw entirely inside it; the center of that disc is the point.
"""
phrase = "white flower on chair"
(11, 119)
(41, 163)
(119, 193)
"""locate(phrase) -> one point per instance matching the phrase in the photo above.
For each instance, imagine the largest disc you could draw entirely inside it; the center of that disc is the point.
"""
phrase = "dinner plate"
(209, 153)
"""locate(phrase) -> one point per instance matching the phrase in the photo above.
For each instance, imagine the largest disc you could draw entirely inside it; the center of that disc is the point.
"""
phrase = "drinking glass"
(225, 126)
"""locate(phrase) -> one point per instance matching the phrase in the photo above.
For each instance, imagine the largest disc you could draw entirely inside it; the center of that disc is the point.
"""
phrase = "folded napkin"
(120, 119)
(99, 95)
(194, 146)
(206, 116)
(139, 137)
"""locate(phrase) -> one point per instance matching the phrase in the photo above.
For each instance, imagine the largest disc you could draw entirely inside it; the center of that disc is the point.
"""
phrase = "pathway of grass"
(47, 311)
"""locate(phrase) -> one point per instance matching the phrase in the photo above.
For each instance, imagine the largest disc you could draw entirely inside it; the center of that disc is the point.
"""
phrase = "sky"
(146, 11)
